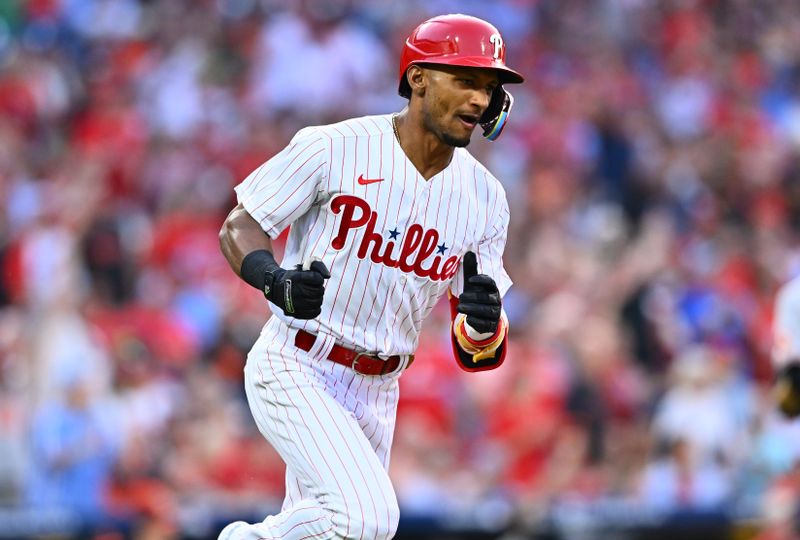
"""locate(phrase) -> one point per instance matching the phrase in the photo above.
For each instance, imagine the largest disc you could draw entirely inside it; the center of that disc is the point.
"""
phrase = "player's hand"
(480, 301)
(299, 293)
(787, 390)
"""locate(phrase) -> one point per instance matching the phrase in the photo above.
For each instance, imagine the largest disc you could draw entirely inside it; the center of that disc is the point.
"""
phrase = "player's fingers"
(480, 297)
(311, 278)
(307, 314)
(470, 262)
(484, 281)
(305, 290)
(309, 299)
(319, 267)
(311, 293)
(483, 311)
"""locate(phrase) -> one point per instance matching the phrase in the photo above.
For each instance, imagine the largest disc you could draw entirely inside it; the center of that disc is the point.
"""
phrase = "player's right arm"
(270, 199)
(240, 235)
(298, 292)
(480, 326)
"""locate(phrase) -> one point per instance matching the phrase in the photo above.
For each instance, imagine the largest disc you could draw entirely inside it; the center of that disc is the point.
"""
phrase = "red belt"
(360, 362)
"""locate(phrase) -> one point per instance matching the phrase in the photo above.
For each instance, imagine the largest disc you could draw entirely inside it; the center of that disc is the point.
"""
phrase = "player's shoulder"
(363, 126)
(478, 172)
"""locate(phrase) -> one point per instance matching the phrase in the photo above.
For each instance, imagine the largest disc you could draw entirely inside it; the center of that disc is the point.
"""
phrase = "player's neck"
(427, 153)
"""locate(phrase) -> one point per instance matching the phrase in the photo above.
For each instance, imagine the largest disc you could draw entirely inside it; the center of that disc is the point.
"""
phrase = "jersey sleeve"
(786, 324)
(489, 251)
(288, 184)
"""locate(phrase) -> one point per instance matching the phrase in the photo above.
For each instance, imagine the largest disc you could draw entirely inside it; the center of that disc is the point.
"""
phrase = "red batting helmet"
(462, 40)
(456, 40)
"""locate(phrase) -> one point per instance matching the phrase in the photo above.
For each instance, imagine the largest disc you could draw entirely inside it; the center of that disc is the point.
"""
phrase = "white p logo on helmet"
(497, 41)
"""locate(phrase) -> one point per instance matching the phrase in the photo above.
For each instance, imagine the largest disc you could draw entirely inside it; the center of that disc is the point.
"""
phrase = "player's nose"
(479, 100)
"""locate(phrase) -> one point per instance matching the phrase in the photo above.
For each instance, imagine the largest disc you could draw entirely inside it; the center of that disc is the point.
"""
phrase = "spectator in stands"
(73, 448)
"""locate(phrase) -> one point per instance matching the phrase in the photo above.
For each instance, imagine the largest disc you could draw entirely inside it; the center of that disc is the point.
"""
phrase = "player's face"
(454, 101)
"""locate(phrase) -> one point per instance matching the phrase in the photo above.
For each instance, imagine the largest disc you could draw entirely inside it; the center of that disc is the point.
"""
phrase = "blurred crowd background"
(652, 164)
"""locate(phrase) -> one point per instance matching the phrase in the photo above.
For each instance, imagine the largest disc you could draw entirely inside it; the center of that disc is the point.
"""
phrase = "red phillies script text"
(418, 244)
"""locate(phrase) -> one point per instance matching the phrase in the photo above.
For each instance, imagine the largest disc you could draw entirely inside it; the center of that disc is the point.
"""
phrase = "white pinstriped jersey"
(392, 241)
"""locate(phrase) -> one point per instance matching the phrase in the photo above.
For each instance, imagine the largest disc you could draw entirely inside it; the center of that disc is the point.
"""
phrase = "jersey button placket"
(422, 196)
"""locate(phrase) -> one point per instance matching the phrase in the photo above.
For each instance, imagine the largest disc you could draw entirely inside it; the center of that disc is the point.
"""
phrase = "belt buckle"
(354, 363)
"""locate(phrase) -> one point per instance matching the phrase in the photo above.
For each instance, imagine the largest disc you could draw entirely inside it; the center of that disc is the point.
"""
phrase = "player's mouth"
(469, 120)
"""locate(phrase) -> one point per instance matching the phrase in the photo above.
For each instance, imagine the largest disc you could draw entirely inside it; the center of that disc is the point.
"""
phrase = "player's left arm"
(479, 331)
(480, 328)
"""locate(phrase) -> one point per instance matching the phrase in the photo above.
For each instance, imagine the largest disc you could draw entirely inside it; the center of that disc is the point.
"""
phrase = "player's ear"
(417, 77)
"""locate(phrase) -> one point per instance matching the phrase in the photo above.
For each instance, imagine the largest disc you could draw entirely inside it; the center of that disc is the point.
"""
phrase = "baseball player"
(387, 214)
(786, 348)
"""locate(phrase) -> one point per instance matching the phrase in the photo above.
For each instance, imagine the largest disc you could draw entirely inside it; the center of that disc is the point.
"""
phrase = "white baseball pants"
(333, 427)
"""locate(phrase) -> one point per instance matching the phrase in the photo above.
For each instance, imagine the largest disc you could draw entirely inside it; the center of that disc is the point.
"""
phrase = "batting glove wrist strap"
(480, 350)
(298, 292)
(255, 268)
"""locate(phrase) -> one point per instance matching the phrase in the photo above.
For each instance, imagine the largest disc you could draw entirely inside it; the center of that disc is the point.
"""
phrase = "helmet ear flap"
(496, 114)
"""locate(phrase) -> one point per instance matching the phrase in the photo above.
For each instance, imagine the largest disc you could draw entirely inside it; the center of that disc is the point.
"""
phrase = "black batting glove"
(299, 293)
(480, 301)
(787, 390)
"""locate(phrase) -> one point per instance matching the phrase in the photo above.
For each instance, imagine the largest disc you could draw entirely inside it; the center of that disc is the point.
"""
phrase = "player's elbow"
(225, 234)
(230, 229)
(228, 242)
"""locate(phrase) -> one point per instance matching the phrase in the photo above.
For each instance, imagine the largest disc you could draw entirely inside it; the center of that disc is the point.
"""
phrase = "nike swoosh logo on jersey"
(367, 181)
